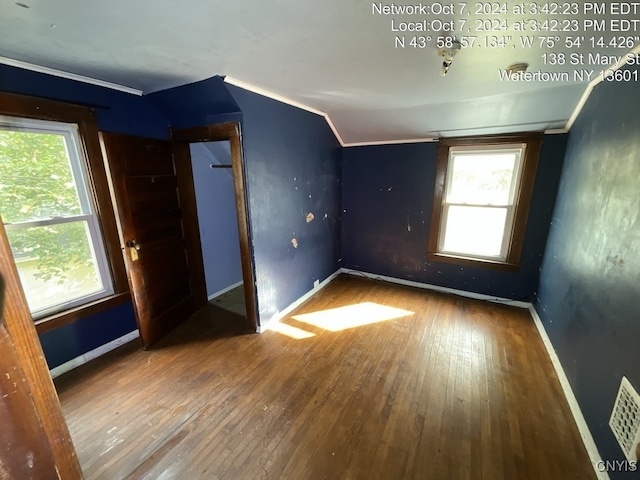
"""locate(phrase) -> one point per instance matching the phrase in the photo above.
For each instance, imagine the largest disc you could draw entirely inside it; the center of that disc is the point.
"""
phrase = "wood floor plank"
(446, 387)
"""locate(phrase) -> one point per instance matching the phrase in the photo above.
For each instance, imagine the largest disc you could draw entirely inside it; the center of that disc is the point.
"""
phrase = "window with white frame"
(482, 200)
(48, 211)
(478, 206)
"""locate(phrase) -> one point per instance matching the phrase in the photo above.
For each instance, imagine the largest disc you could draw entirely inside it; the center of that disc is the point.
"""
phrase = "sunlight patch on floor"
(351, 316)
(289, 330)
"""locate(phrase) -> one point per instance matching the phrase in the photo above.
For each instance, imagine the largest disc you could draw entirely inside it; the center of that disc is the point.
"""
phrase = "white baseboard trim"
(95, 353)
(426, 286)
(224, 290)
(587, 439)
(279, 315)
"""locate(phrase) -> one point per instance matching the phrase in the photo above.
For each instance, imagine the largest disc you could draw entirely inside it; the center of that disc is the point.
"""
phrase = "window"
(48, 214)
(57, 211)
(482, 195)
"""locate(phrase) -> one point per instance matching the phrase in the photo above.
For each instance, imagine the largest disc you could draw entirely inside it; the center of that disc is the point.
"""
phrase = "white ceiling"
(335, 56)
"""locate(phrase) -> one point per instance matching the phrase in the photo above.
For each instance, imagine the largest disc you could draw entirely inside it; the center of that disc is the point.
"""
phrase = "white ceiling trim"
(556, 131)
(580, 105)
(392, 142)
(288, 101)
(260, 91)
(293, 103)
(274, 96)
(70, 76)
(592, 85)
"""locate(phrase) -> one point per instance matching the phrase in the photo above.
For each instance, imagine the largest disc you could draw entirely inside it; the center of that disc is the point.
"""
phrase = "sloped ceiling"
(336, 56)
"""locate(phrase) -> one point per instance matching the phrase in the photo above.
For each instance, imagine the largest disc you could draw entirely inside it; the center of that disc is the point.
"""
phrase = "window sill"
(473, 262)
(60, 319)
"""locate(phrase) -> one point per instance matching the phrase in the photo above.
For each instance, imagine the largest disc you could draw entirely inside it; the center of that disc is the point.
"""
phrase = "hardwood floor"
(450, 388)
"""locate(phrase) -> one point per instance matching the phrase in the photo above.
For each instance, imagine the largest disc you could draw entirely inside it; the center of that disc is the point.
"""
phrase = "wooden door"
(155, 203)
(34, 438)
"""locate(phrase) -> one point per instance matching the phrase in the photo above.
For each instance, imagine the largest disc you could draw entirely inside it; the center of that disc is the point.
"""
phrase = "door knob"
(133, 249)
(133, 244)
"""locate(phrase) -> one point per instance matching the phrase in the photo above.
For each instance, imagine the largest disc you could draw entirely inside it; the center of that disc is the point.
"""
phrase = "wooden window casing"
(521, 204)
(21, 106)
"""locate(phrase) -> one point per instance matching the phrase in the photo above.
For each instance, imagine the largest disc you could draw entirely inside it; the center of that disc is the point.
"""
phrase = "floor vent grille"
(625, 419)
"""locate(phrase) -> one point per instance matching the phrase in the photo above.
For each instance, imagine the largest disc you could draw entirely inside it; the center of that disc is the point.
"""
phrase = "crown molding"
(266, 93)
(593, 83)
(392, 142)
(283, 99)
(69, 76)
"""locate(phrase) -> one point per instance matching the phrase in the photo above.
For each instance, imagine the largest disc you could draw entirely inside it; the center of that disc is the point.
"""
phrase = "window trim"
(87, 216)
(21, 106)
(522, 202)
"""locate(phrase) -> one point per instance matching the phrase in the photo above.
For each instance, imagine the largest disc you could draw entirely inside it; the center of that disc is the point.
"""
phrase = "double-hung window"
(49, 215)
(57, 211)
(482, 195)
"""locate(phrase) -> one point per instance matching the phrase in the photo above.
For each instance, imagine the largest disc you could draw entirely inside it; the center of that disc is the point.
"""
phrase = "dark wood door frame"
(220, 132)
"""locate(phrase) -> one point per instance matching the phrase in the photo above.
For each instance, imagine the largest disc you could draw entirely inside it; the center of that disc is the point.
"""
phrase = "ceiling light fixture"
(448, 53)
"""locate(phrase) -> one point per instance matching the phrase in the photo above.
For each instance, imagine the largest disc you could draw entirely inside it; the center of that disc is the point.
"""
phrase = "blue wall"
(292, 163)
(215, 199)
(70, 341)
(123, 113)
(387, 201)
(590, 280)
(293, 168)
(200, 103)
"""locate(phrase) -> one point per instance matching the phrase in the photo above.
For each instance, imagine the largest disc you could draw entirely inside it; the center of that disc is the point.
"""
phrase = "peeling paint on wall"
(286, 180)
(615, 260)
(310, 217)
(588, 293)
(379, 225)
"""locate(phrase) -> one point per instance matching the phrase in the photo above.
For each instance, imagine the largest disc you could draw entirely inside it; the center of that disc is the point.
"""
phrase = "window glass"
(482, 179)
(477, 209)
(475, 230)
(49, 216)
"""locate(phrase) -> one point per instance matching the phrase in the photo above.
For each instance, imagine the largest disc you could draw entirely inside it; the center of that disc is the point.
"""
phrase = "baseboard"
(427, 286)
(281, 314)
(587, 439)
(224, 290)
(95, 353)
